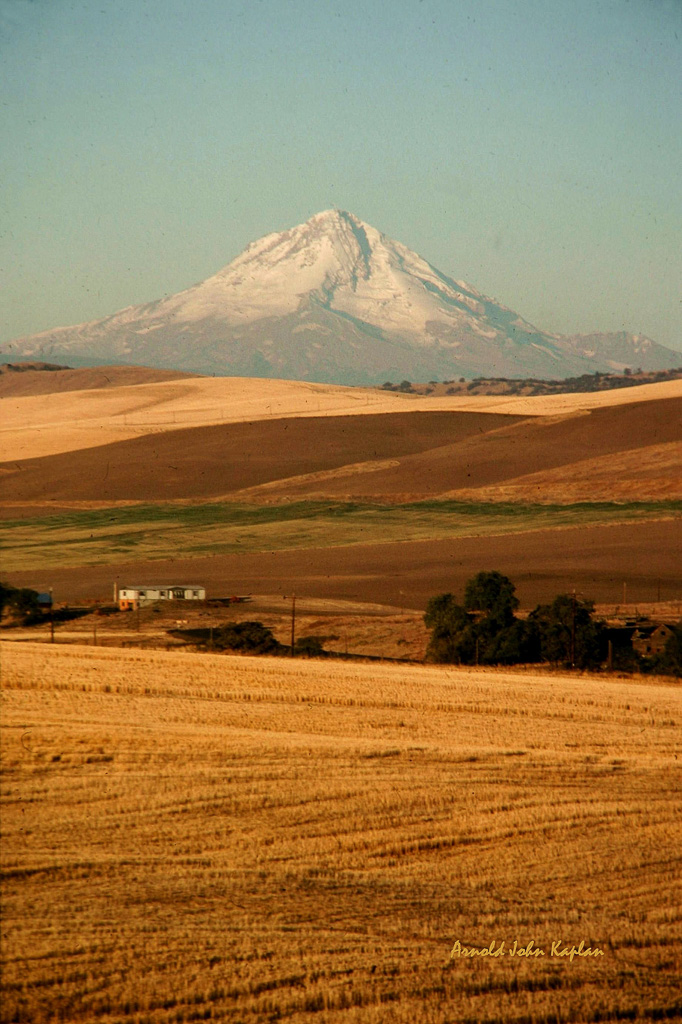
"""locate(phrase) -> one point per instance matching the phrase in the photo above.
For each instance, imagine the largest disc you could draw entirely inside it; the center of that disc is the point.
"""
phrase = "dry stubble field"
(191, 837)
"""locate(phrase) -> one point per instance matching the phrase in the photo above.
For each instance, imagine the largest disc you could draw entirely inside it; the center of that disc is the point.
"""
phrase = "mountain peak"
(335, 300)
(331, 219)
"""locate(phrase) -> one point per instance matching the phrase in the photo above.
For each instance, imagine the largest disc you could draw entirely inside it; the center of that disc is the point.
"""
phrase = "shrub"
(22, 603)
(492, 593)
(253, 637)
(310, 646)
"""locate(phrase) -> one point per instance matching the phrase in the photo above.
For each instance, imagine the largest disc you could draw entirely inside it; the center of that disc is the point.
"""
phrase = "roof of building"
(654, 627)
(161, 586)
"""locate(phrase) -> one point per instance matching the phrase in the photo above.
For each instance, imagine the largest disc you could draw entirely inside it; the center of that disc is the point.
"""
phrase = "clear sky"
(531, 147)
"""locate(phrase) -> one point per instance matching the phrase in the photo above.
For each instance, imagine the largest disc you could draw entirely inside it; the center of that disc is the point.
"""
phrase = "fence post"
(293, 623)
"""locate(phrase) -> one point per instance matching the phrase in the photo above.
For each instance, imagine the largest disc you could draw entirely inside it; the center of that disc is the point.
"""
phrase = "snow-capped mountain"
(334, 300)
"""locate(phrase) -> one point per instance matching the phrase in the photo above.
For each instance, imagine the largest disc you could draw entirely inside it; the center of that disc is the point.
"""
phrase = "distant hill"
(17, 379)
(588, 383)
(333, 300)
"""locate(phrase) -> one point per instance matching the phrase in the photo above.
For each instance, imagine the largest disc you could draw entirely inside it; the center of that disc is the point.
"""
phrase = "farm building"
(651, 639)
(136, 597)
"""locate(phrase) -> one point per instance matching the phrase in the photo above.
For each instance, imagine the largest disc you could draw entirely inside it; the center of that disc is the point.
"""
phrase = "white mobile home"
(137, 597)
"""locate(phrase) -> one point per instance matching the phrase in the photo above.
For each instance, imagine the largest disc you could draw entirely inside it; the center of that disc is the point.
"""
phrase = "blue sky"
(532, 147)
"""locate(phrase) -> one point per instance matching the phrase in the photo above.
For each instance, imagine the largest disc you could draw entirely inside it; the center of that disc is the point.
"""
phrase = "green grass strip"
(146, 532)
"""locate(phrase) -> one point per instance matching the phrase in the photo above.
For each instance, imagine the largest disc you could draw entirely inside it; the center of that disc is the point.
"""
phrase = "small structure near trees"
(650, 640)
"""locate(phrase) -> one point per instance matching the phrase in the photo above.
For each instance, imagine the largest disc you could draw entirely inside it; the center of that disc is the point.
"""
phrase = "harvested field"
(198, 837)
(34, 426)
(596, 561)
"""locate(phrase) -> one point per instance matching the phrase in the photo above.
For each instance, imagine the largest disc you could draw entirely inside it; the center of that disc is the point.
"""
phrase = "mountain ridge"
(333, 300)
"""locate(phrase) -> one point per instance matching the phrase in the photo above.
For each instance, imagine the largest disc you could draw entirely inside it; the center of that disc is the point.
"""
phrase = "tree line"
(483, 630)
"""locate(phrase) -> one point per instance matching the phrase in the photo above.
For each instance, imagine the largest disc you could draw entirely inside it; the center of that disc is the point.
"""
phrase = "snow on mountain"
(336, 260)
(334, 300)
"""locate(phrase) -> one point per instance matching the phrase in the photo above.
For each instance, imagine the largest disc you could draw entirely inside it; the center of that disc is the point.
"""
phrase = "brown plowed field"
(525, 447)
(653, 472)
(430, 454)
(205, 462)
(597, 561)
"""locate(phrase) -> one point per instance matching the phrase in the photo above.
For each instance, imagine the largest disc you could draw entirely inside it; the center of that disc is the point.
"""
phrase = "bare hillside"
(209, 462)
(521, 450)
(21, 380)
(34, 426)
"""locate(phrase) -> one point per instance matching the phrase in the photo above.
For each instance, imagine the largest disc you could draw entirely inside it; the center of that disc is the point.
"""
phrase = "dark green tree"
(458, 648)
(444, 615)
(452, 640)
(483, 630)
(493, 594)
(565, 632)
(512, 645)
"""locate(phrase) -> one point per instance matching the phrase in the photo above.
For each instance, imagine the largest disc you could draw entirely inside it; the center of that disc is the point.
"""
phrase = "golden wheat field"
(39, 425)
(199, 837)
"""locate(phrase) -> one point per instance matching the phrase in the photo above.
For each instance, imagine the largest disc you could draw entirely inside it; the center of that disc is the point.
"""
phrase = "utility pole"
(573, 630)
(94, 627)
(51, 618)
(293, 623)
(625, 593)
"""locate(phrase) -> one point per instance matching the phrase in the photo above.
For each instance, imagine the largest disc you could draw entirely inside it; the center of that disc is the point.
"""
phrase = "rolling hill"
(264, 486)
(398, 448)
